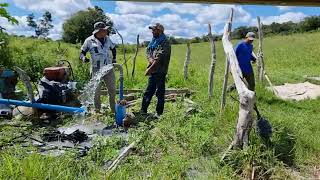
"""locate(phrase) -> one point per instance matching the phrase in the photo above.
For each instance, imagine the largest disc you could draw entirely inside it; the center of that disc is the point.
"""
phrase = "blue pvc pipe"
(121, 89)
(42, 106)
(120, 110)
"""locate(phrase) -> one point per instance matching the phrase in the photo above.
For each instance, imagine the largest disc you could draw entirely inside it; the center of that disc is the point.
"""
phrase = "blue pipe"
(42, 106)
(120, 110)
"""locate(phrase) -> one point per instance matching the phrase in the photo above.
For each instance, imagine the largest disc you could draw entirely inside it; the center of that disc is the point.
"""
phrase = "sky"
(132, 18)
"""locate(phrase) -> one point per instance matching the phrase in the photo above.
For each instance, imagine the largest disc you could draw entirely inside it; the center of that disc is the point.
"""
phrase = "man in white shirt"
(99, 44)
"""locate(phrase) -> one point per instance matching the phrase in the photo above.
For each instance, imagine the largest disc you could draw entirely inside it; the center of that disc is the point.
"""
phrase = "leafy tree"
(44, 25)
(310, 23)
(4, 13)
(5, 51)
(80, 25)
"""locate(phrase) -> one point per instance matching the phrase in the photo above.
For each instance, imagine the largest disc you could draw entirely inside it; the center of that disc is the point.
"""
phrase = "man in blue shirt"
(244, 55)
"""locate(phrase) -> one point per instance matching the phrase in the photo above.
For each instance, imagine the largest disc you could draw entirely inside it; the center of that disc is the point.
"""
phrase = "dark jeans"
(156, 82)
(250, 80)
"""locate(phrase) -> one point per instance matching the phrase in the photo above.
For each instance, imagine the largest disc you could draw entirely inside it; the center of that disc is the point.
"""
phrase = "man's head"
(101, 30)
(157, 29)
(250, 36)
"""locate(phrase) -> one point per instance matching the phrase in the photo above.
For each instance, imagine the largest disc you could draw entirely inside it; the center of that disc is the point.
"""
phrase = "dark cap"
(157, 26)
(251, 36)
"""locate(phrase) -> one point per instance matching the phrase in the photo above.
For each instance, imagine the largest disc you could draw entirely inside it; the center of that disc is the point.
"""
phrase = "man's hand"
(150, 61)
(85, 60)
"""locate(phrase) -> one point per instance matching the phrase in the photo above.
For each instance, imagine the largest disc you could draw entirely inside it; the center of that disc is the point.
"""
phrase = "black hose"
(69, 65)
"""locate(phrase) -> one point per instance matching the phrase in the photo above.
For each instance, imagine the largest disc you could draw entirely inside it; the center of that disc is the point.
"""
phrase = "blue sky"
(132, 18)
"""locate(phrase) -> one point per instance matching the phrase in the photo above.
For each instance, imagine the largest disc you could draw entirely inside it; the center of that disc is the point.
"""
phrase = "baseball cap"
(251, 36)
(99, 26)
(157, 26)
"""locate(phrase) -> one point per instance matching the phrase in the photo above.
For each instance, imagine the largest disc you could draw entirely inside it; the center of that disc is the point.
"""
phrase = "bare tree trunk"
(260, 52)
(225, 84)
(135, 57)
(213, 61)
(247, 97)
(187, 61)
(124, 52)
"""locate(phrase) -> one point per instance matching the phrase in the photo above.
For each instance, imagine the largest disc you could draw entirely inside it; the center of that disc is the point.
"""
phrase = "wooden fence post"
(260, 63)
(213, 61)
(135, 57)
(187, 61)
(124, 52)
(246, 97)
(225, 84)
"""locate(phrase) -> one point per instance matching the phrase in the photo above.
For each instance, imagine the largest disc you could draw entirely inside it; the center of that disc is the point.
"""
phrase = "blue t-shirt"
(243, 52)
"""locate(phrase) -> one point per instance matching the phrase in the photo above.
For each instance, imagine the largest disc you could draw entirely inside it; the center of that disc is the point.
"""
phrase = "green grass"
(179, 148)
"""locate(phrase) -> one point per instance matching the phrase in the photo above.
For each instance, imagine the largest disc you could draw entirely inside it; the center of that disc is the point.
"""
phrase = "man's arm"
(113, 50)
(253, 57)
(84, 50)
(114, 54)
(165, 54)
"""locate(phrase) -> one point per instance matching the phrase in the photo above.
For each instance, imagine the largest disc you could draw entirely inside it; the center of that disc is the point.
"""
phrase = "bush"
(5, 52)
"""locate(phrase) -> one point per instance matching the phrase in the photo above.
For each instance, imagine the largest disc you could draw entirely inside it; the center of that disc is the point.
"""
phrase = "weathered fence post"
(213, 61)
(135, 57)
(124, 52)
(225, 84)
(187, 61)
(246, 97)
(260, 61)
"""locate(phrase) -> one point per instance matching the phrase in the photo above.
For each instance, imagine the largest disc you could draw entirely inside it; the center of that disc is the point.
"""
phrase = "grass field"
(180, 148)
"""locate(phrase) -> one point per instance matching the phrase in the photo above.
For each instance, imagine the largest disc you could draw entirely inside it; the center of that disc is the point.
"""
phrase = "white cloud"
(130, 25)
(132, 18)
(137, 8)
(286, 17)
(285, 8)
(217, 14)
(21, 29)
(60, 8)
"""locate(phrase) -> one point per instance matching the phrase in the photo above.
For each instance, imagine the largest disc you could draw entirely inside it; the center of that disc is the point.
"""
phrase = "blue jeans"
(156, 83)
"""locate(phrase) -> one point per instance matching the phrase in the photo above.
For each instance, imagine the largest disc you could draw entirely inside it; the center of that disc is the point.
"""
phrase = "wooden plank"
(258, 2)
(168, 91)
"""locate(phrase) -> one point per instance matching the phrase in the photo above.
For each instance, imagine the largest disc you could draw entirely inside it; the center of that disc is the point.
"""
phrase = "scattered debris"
(168, 91)
(75, 137)
(315, 80)
(121, 156)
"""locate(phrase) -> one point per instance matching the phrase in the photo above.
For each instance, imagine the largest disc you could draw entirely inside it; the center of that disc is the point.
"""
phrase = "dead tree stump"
(247, 97)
